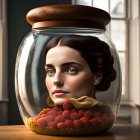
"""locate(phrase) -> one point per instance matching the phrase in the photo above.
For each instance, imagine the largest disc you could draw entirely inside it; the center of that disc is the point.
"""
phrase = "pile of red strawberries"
(69, 117)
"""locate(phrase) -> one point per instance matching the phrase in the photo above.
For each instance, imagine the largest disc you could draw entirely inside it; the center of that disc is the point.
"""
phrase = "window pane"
(83, 2)
(123, 66)
(117, 8)
(102, 4)
(118, 34)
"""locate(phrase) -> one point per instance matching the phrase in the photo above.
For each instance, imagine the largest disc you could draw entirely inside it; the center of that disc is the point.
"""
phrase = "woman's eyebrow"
(49, 65)
(70, 63)
(64, 64)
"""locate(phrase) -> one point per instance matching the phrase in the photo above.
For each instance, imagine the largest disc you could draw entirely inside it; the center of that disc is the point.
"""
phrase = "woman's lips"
(59, 93)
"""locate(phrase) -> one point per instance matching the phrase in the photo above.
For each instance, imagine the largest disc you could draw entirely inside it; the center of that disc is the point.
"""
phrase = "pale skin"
(68, 75)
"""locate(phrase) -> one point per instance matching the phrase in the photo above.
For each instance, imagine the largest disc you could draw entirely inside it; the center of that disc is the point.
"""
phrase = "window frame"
(3, 64)
(134, 52)
(126, 19)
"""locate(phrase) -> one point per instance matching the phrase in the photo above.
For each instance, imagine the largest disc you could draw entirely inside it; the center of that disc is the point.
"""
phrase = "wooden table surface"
(117, 132)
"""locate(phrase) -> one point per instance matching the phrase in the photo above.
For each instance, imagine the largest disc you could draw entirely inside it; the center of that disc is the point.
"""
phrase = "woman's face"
(68, 75)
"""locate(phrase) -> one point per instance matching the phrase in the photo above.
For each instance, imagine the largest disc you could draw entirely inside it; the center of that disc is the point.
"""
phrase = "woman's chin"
(59, 101)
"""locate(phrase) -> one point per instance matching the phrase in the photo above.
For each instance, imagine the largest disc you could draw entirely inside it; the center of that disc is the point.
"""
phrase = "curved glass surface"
(31, 90)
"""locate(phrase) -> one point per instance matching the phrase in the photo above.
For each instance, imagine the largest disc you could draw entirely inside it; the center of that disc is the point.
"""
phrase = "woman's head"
(78, 65)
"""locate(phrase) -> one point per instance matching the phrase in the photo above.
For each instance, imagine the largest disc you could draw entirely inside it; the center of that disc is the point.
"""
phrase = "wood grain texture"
(117, 132)
(68, 16)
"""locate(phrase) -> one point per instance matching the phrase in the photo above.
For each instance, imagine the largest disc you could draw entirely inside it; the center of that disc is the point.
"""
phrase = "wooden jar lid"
(68, 16)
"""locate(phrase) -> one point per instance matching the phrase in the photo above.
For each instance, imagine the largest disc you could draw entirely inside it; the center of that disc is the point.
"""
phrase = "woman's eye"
(50, 72)
(72, 70)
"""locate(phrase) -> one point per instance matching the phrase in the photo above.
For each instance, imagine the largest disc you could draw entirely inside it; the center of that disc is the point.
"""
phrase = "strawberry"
(61, 125)
(60, 113)
(81, 112)
(74, 116)
(68, 123)
(57, 109)
(44, 111)
(42, 122)
(59, 118)
(95, 121)
(49, 118)
(52, 124)
(37, 117)
(97, 114)
(43, 115)
(52, 113)
(66, 114)
(85, 121)
(73, 110)
(78, 124)
(88, 114)
(68, 105)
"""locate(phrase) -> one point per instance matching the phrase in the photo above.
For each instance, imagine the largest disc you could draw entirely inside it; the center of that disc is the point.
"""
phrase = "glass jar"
(76, 115)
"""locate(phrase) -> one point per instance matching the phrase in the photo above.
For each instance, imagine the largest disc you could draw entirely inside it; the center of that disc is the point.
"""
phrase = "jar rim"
(68, 30)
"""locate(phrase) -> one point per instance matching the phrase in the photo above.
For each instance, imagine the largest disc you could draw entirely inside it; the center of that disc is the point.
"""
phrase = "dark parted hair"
(96, 53)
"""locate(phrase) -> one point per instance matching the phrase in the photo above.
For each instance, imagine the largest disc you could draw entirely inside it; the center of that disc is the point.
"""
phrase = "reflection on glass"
(118, 33)
(82, 2)
(102, 4)
(123, 66)
(117, 8)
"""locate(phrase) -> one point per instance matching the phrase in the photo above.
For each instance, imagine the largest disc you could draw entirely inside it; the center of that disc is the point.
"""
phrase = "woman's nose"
(58, 80)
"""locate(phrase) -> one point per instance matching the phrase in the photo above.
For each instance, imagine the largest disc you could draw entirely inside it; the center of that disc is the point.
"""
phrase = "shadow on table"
(104, 136)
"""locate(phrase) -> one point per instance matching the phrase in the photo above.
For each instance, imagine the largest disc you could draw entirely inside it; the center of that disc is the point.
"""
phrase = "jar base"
(100, 128)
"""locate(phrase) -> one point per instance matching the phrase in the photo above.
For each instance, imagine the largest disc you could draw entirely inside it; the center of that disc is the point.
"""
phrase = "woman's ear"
(98, 78)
